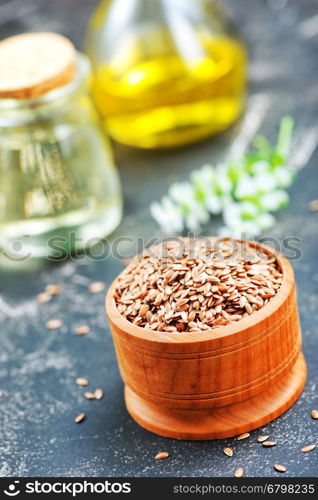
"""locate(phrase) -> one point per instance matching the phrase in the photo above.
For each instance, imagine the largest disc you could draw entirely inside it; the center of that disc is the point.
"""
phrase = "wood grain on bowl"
(216, 383)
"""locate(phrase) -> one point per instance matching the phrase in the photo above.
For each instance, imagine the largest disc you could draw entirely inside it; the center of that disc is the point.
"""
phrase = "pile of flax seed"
(193, 285)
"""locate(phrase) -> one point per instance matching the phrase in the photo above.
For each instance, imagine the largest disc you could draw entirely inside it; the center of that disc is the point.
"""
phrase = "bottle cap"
(31, 64)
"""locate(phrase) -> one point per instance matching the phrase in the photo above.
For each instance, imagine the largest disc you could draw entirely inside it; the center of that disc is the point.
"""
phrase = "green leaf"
(284, 136)
(263, 146)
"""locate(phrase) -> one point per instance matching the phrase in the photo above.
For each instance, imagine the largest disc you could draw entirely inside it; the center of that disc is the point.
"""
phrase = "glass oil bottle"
(166, 72)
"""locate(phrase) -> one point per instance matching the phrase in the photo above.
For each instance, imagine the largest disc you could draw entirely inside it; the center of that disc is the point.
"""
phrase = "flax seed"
(170, 329)
(248, 308)
(99, 394)
(239, 472)
(243, 436)
(53, 324)
(313, 205)
(143, 310)
(280, 468)
(82, 330)
(81, 381)
(162, 455)
(213, 287)
(89, 395)
(53, 289)
(261, 439)
(228, 451)
(96, 287)
(43, 297)
(269, 444)
(308, 448)
(80, 418)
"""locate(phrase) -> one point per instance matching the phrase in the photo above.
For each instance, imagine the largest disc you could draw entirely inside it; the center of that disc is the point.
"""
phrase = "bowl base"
(223, 421)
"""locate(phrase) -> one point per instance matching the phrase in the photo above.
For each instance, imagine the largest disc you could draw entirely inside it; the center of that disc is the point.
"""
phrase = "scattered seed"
(53, 324)
(243, 436)
(82, 330)
(228, 451)
(80, 418)
(82, 381)
(96, 287)
(162, 455)
(308, 448)
(202, 287)
(269, 444)
(89, 395)
(239, 472)
(99, 394)
(43, 297)
(314, 414)
(313, 205)
(53, 289)
(261, 439)
(280, 468)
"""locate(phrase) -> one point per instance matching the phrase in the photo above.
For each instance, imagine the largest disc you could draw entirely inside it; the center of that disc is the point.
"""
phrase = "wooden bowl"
(215, 384)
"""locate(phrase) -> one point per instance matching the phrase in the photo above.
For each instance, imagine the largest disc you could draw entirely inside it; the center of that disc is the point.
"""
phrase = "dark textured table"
(38, 367)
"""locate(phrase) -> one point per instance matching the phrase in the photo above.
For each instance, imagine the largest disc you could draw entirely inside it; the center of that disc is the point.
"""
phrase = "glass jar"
(59, 190)
(166, 72)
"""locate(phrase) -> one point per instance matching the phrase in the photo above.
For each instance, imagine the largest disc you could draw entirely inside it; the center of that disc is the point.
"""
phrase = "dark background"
(39, 397)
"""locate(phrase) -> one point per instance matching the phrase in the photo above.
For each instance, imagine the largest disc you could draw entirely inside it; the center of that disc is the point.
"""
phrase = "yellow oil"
(160, 101)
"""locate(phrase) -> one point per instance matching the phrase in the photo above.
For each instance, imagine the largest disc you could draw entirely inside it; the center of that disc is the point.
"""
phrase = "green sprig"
(246, 192)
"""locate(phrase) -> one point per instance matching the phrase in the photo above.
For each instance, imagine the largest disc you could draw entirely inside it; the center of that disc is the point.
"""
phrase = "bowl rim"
(156, 337)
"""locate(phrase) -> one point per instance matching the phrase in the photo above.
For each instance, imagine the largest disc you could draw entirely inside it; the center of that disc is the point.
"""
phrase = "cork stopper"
(31, 64)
